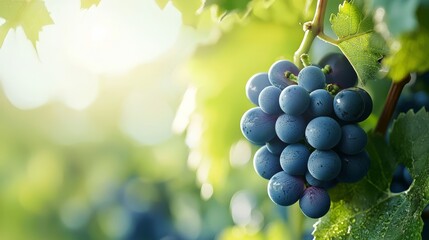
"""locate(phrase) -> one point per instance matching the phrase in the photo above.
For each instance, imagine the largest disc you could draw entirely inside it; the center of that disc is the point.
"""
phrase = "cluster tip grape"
(310, 139)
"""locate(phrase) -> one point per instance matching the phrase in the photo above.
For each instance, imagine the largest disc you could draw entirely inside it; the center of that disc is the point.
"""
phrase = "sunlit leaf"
(32, 16)
(410, 52)
(357, 39)
(227, 6)
(88, 3)
(162, 3)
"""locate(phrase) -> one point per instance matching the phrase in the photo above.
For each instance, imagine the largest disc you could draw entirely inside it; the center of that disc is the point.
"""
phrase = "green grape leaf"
(32, 16)
(367, 209)
(357, 39)
(88, 3)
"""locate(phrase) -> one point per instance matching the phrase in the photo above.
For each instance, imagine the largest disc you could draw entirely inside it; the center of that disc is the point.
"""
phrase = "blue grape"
(368, 105)
(255, 85)
(407, 176)
(317, 183)
(342, 73)
(277, 73)
(421, 99)
(398, 173)
(354, 167)
(321, 103)
(294, 100)
(269, 100)
(323, 133)
(276, 146)
(349, 105)
(324, 165)
(398, 183)
(311, 78)
(290, 129)
(315, 202)
(265, 163)
(257, 126)
(398, 186)
(307, 235)
(353, 139)
(294, 158)
(285, 189)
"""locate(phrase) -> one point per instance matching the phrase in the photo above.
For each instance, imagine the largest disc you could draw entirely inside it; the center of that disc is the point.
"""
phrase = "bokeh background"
(122, 121)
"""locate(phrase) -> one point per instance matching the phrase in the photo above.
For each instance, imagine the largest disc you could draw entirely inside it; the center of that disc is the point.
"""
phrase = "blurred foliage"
(89, 3)
(403, 24)
(18, 13)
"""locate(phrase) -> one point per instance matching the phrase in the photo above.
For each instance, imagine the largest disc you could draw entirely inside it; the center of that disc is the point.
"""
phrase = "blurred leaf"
(410, 52)
(357, 40)
(227, 6)
(238, 232)
(32, 16)
(367, 209)
(189, 10)
(278, 230)
(400, 16)
(88, 3)
(162, 3)
(412, 55)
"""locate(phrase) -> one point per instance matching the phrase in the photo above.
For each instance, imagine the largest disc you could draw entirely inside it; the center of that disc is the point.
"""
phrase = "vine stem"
(390, 104)
(312, 30)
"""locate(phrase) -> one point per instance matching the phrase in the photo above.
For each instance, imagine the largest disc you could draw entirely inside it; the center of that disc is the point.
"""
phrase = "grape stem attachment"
(313, 29)
(390, 104)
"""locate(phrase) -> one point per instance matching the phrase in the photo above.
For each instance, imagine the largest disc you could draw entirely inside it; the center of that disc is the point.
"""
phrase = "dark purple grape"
(368, 105)
(315, 202)
(353, 139)
(354, 167)
(342, 73)
(349, 105)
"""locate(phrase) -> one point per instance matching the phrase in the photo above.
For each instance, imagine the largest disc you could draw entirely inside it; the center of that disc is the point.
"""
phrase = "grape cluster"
(309, 138)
